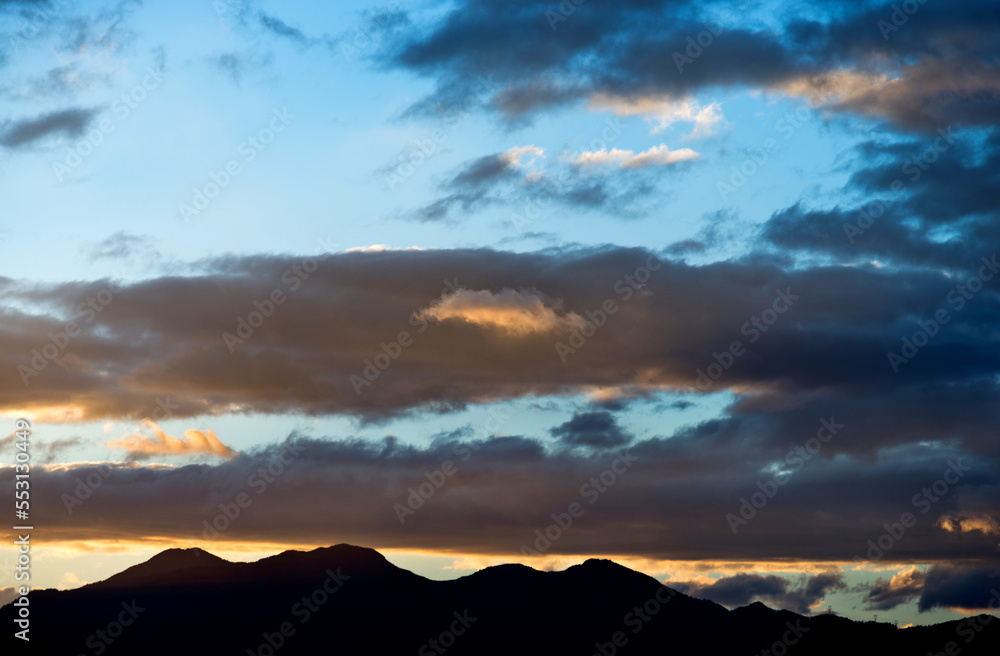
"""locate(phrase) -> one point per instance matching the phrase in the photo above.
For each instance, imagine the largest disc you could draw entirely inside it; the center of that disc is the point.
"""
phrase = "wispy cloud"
(656, 156)
(664, 111)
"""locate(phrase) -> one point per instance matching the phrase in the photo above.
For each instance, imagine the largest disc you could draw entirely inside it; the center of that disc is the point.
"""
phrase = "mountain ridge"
(352, 598)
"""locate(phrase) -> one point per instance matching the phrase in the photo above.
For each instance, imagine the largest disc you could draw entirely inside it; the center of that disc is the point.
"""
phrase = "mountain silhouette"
(350, 600)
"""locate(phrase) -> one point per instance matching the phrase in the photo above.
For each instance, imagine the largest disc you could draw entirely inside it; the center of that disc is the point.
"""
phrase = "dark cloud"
(941, 62)
(495, 333)
(483, 171)
(742, 589)
(927, 202)
(497, 180)
(958, 586)
(886, 594)
(826, 354)
(669, 502)
(69, 123)
(444, 208)
(470, 188)
(971, 585)
(595, 429)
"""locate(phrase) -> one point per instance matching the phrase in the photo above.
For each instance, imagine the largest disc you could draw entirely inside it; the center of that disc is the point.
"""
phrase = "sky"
(706, 288)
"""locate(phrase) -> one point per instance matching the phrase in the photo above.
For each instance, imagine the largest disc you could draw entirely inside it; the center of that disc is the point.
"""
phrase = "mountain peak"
(164, 564)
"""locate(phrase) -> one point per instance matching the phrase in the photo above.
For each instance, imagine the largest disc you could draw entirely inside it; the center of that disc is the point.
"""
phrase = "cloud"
(908, 212)
(665, 112)
(925, 96)
(597, 429)
(514, 155)
(739, 590)
(677, 489)
(7, 595)
(142, 447)
(518, 313)
(67, 123)
(981, 523)
(124, 246)
(656, 156)
(237, 65)
(476, 182)
(502, 179)
(903, 587)
(64, 80)
(50, 450)
(971, 587)
(825, 355)
(280, 28)
(625, 54)
(961, 586)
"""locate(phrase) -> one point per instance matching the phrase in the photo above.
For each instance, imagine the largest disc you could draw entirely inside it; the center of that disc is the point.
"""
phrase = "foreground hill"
(350, 600)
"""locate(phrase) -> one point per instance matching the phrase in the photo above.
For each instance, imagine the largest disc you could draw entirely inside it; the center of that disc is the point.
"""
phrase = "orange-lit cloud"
(519, 313)
(984, 524)
(141, 446)
(926, 91)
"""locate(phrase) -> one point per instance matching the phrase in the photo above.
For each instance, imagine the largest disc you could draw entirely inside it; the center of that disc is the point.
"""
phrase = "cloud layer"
(916, 70)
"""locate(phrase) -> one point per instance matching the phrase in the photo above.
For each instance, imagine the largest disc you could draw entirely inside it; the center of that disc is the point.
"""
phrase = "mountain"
(351, 600)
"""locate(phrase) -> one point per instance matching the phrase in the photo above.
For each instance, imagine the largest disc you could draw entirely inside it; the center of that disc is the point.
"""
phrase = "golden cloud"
(141, 446)
(519, 313)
